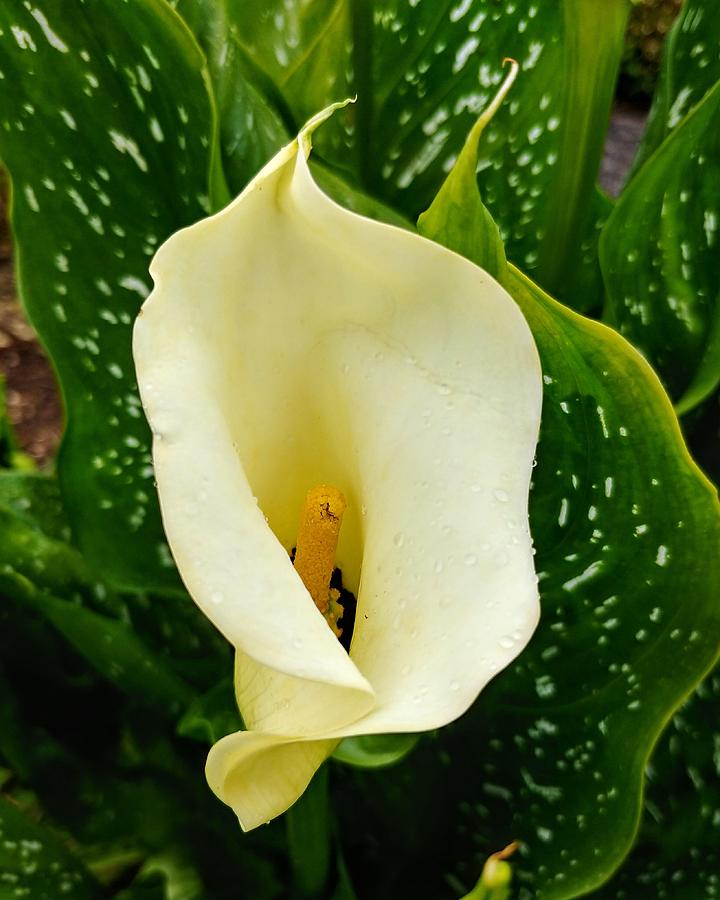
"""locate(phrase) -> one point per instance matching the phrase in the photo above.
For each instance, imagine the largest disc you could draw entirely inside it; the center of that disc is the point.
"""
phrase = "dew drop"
(217, 597)
(399, 539)
(470, 559)
(501, 496)
(507, 642)
(454, 685)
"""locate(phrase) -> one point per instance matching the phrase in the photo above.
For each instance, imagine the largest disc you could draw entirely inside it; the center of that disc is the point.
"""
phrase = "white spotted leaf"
(554, 751)
(422, 72)
(35, 862)
(659, 256)
(690, 68)
(676, 854)
(107, 156)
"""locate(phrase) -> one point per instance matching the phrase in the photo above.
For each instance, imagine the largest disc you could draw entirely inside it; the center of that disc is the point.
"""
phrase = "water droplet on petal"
(501, 496)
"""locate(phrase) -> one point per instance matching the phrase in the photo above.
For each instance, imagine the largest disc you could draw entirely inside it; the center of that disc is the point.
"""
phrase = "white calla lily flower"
(290, 343)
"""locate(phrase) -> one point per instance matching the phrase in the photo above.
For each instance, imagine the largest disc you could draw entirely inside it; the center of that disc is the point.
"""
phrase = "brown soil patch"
(34, 407)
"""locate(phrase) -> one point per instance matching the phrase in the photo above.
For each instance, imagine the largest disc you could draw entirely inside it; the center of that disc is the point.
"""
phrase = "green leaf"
(11, 457)
(181, 881)
(422, 73)
(117, 653)
(457, 217)
(212, 715)
(251, 128)
(36, 863)
(375, 751)
(107, 135)
(676, 854)
(30, 561)
(37, 569)
(659, 255)
(619, 515)
(593, 43)
(553, 752)
(35, 498)
(690, 67)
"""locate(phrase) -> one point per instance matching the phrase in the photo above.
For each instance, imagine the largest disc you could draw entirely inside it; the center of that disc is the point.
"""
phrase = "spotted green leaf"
(36, 863)
(690, 67)
(553, 752)
(676, 855)
(659, 256)
(252, 128)
(457, 217)
(422, 72)
(107, 134)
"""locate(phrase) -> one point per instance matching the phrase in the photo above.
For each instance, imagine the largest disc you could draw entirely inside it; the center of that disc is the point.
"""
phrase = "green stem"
(309, 838)
(362, 26)
(594, 34)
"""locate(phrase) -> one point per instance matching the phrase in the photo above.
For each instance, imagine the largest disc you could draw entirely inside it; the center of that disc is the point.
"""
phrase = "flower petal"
(289, 343)
(261, 775)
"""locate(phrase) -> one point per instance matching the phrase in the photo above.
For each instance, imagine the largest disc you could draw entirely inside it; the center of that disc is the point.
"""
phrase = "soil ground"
(33, 403)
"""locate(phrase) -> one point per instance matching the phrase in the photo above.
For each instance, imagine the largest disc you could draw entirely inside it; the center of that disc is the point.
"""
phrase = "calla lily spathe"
(289, 343)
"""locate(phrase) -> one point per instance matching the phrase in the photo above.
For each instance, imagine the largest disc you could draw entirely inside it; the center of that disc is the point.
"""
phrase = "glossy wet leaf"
(457, 217)
(659, 255)
(251, 126)
(554, 751)
(422, 72)
(690, 67)
(107, 157)
(676, 854)
(36, 863)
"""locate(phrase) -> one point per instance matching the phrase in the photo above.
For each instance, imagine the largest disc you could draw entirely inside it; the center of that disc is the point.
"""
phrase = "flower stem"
(309, 838)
